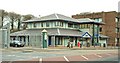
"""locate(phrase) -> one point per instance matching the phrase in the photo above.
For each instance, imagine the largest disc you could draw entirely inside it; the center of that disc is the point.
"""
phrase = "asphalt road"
(61, 56)
(89, 58)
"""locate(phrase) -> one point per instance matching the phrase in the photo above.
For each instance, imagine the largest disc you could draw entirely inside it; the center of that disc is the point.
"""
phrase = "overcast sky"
(65, 7)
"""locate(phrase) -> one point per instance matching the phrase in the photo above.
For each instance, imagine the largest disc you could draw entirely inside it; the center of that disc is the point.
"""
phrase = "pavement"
(56, 48)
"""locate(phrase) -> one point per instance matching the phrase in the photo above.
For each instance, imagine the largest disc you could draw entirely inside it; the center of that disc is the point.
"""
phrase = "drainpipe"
(93, 37)
(97, 33)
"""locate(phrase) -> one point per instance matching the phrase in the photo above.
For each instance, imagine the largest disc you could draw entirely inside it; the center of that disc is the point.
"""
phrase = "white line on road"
(66, 59)
(109, 54)
(84, 57)
(36, 57)
(98, 55)
(11, 55)
(40, 60)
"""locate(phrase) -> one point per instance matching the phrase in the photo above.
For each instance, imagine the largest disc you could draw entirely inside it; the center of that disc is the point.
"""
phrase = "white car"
(16, 43)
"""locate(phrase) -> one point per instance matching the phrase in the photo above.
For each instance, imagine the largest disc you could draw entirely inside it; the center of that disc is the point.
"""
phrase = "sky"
(65, 7)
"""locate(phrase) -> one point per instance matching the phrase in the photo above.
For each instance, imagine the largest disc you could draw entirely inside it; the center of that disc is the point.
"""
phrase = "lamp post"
(44, 39)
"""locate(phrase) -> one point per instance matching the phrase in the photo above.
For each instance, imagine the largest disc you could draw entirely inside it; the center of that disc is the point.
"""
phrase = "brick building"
(111, 27)
(118, 28)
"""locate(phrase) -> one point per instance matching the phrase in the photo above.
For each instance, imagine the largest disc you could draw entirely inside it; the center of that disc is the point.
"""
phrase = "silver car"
(16, 43)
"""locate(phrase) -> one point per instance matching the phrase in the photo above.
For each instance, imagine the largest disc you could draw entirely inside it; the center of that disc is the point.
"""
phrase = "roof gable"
(86, 35)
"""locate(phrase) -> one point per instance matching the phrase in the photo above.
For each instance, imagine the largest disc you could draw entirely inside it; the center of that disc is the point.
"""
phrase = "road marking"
(40, 60)
(11, 55)
(98, 55)
(36, 57)
(18, 56)
(109, 54)
(66, 59)
(84, 57)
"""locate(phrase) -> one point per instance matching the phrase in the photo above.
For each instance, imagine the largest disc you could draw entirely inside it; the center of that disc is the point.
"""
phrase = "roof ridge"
(56, 15)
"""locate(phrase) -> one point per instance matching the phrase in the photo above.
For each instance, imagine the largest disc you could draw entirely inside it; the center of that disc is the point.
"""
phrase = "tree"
(3, 13)
(28, 17)
(19, 24)
(13, 17)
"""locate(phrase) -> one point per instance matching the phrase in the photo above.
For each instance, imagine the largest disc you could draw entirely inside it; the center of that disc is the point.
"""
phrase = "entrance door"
(49, 40)
(75, 41)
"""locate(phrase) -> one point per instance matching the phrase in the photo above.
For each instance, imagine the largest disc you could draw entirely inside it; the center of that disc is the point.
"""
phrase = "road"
(110, 58)
(62, 56)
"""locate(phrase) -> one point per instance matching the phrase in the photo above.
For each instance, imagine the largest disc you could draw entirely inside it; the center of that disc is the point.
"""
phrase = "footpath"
(31, 49)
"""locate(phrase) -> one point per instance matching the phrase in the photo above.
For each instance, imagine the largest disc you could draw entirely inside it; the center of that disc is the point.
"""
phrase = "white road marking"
(27, 53)
(84, 57)
(11, 55)
(18, 56)
(36, 57)
(20, 59)
(108, 54)
(98, 55)
(40, 60)
(66, 59)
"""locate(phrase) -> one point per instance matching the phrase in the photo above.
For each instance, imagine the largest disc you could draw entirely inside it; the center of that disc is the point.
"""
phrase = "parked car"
(16, 43)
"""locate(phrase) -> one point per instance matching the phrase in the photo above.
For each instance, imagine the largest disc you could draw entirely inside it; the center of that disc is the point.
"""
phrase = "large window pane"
(42, 24)
(70, 25)
(47, 24)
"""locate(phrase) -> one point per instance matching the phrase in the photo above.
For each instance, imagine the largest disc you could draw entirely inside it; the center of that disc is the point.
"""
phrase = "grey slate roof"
(56, 16)
(69, 32)
(33, 32)
(56, 32)
(53, 31)
(88, 20)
